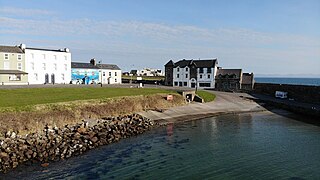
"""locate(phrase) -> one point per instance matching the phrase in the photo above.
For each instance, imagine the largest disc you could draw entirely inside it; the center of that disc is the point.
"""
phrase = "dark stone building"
(247, 81)
(234, 80)
(228, 79)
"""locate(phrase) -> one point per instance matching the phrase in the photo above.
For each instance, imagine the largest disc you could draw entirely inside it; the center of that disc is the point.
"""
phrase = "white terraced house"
(191, 73)
(47, 66)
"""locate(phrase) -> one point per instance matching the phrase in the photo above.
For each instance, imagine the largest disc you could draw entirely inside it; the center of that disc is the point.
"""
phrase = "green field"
(33, 96)
(206, 96)
(149, 78)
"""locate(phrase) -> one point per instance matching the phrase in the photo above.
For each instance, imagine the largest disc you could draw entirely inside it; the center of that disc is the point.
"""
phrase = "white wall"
(62, 61)
(182, 76)
(110, 76)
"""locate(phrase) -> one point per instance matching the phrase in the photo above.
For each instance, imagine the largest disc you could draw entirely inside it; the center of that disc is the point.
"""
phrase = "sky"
(267, 37)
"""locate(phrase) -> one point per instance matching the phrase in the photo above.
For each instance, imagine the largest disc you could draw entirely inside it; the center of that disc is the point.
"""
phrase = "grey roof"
(83, 65)
(42, 49)
(108, 66)
(247, 78)
(223, 72)
(170, 63)
(197, 63)
(12, 72)
(91, 66)
(10, 49)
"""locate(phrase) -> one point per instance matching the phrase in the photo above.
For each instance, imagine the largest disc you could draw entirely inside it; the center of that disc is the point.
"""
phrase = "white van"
(281, 94)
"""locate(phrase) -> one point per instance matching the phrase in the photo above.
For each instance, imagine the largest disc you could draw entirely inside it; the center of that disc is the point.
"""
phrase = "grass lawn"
(150, 78)
(32, 96)
(206, 96)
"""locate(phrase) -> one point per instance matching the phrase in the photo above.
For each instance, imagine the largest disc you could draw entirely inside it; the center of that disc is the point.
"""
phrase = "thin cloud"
(24, 12)
(155, 43)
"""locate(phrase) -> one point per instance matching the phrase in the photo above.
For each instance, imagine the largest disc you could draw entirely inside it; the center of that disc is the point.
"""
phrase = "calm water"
(246, 146)
(297, 81)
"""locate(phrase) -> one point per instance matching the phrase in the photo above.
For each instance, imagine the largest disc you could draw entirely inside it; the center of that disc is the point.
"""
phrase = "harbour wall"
(300, 93)
(59, 143)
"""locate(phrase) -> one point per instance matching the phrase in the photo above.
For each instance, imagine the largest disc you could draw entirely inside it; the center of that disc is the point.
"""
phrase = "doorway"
(52, 78)
(46, 79)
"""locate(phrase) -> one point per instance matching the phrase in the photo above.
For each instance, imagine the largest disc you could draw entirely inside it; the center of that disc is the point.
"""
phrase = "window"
(185, 84)
(109, 74)
(32, 65)
(32, 55)
(204, 84)
(6, 56)
(55, 57)
(55, 66)
(19, 57)
(6, 65)
(187, 69)
(180, 84)
(208, 70)
(186, 75)
(178, 69)
(200, 70)
(104, 73)
(115, 80)
(208, 76)
(44, 66)
(65, 67)
(19, 66)
(65, 58)
(62, 77)
(44, 56)
(15, 77)
(177, 75)
(35, 76)
(115, 73)
(200, 76)
(175, 83)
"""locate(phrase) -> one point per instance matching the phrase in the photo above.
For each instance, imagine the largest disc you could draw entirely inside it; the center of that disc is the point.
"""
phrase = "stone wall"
(60, 143)
(301, 93)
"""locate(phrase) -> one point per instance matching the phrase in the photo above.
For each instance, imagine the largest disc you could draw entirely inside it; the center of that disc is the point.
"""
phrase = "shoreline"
(225, 103)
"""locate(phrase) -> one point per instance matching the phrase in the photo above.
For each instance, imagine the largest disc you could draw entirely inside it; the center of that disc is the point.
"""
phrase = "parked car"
(281, 94)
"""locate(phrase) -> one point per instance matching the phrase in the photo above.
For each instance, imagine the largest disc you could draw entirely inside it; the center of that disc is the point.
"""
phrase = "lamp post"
(196, 86)
(100, 77)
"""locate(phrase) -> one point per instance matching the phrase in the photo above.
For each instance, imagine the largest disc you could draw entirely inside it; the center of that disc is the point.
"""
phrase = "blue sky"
(265, 37)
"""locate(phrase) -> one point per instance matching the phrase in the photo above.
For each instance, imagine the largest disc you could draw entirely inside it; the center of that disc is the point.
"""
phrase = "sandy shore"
(224, 103)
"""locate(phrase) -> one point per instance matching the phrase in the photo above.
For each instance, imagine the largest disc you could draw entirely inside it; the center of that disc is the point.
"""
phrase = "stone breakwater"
(59, 143)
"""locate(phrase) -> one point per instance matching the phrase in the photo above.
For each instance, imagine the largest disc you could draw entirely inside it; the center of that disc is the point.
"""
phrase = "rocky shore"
(59, 143)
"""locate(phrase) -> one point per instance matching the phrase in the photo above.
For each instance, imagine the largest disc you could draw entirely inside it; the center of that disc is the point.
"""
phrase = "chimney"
(22, 47)
(93, 61)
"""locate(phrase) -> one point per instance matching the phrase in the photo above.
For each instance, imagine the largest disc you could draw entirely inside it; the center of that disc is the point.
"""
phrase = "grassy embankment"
(29, 110)
(206, 95)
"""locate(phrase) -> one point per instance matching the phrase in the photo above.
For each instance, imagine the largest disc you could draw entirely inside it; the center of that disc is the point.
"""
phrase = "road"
(224, 103)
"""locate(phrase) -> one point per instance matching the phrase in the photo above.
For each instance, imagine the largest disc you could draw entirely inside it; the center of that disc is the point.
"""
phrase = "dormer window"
(208, 70)
(200, 70)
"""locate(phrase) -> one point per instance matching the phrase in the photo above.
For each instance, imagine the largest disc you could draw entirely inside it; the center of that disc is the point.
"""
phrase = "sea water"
(246, 146)
(295, 81)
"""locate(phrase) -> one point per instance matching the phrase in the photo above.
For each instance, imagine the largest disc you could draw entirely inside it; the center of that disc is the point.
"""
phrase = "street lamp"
(100, 71)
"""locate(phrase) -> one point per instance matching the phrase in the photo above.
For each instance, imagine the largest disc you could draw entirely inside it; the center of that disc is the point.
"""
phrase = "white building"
(150, 72)
(92, 73)
(191, 73)
(47, 65)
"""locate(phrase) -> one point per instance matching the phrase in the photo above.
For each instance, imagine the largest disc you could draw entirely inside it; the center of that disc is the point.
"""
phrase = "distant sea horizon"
(289, 80)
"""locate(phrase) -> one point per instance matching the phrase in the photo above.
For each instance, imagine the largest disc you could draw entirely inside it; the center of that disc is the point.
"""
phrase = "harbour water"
(296, 81)
(247, 146)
